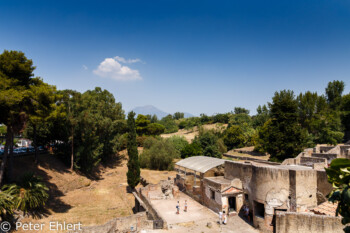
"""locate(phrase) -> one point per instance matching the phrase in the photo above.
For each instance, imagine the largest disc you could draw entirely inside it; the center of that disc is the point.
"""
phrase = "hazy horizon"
(195, 57)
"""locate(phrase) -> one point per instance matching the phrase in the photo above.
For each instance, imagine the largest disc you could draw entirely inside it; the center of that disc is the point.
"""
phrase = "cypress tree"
(133, 174)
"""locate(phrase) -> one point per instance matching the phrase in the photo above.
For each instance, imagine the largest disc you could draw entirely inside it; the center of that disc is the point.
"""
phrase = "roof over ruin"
(200, 164)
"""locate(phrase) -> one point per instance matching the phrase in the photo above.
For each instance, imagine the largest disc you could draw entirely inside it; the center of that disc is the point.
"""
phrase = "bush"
(159, 155)
(140, 140)
(169, 123)
(30, 193)
(192, 149)
(234, 137)
(155, 129)
(208, 141)
(179, 142)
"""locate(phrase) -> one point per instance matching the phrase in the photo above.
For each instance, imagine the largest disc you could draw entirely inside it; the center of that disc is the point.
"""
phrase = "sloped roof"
(326, 208)
(231, 190)
(200, 164)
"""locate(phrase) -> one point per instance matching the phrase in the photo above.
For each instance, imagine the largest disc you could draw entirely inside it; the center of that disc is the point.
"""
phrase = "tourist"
(225, 218)
(185, 206)
(246, 212)
(220, 217)
(178, 208)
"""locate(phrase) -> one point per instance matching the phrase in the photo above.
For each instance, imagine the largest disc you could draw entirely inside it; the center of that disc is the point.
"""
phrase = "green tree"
(178, 115)
(133, 174)
(190, 150)
(240, 110)
(209, 144)
(169, 123)
(282, 136)
(179, 142)
(345, 115)
(142, 123)
(16, 82)
(334, 92)
(159, 155)
(155, 129)
(261, 117)
(234, 137)
(339, 176)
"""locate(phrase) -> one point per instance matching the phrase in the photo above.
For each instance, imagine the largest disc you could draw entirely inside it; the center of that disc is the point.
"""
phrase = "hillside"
(151, 110)
(75, 198)
(192, 133)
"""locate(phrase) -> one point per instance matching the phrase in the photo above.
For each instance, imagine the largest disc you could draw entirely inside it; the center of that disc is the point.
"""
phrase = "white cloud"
(112, 68)
(123, 60)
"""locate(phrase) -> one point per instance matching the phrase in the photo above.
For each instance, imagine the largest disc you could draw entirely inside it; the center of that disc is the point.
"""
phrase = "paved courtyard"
(196, 218)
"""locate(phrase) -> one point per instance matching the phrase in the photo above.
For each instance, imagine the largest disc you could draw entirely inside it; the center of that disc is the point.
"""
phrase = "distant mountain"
(151, 110)
(187, 115)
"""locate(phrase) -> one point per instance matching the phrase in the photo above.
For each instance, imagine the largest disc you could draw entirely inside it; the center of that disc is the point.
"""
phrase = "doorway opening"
(232, 203)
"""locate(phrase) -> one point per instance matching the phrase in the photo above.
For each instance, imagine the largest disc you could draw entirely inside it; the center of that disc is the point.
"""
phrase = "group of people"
(178, 207)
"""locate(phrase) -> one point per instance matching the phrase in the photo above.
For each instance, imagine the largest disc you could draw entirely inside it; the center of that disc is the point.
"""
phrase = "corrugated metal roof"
(200, 163)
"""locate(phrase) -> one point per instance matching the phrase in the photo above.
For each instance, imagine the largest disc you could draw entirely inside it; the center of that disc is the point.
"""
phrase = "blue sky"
(191, 56)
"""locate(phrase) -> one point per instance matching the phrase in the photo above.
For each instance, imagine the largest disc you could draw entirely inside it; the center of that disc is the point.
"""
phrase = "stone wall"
(329, 157)
(310, 161)
(288, 222)
(130, 223)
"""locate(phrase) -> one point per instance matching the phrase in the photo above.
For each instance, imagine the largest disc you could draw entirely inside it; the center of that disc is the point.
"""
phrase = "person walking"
(185, 206)
(178, 208)
(225, 218)
(220, 217)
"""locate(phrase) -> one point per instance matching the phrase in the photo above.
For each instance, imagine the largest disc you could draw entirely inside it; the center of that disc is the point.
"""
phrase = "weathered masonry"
(192, 171)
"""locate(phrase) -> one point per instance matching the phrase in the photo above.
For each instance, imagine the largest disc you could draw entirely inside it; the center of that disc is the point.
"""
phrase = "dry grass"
(192, 133)
(75, 198)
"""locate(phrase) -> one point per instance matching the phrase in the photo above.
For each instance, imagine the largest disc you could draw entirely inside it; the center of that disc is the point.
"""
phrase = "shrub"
(30, 193)
(155, 129)
(179, 142)
(234, 137)
(159, 155)
(192, 149)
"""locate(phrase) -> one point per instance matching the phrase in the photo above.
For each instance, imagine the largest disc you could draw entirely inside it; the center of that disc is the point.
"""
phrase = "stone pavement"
(196, 218)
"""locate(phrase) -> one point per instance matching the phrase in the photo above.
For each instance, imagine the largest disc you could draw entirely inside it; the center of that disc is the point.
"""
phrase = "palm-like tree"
(6, 205)
(29, 194)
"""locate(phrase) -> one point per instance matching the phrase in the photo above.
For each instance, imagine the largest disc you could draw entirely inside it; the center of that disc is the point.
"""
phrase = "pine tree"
(133, 174)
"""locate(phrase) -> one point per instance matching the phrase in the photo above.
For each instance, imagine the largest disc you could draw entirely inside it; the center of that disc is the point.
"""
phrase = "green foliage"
(133, 174)
(234, 137)
(179, 142)
(208, 141)
(190, 150)
(239, 110)
(169, 123)
(141, 124)
(159, 154)
(3, 130)
(178, 115)
(154, 129)
(282, 136)
(339, 176)
(261, 117)
(334, 92)
(29, 194)
(221, 118)
(345, 114)
(6, 206)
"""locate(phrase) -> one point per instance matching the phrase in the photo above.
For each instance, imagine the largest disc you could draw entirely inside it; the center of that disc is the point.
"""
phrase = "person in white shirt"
(225, 218)
(220, 217)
